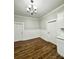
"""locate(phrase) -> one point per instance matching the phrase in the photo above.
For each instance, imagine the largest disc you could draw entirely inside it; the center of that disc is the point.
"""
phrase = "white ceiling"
(43, 7)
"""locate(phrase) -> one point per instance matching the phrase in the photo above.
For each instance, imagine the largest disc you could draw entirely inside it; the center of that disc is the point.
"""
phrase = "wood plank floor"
(35, 49)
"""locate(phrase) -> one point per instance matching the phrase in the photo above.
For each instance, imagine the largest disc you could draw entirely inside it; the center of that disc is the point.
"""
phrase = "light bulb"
(30, 6)
(34, 7)
(27, 9)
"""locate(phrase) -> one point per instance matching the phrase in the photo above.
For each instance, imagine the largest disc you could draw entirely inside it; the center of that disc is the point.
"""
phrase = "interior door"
(18, 31)
(51, 30)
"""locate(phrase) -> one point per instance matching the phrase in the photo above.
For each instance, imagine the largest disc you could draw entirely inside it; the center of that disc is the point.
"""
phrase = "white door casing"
(18, 31)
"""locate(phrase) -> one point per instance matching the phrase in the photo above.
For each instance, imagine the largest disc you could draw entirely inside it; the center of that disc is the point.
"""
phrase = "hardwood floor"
(35, 49)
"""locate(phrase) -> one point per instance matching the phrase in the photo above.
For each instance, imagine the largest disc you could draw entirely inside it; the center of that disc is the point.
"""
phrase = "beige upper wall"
(50, 16)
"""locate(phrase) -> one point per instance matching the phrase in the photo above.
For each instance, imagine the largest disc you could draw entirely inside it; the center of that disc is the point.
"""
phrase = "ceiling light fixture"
(31, 8)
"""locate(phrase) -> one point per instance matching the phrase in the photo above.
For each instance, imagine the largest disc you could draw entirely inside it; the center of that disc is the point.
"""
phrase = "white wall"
(50, 16)
(35, 27)
(31, 26)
